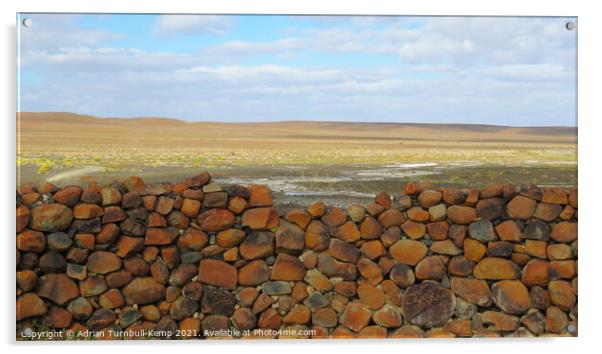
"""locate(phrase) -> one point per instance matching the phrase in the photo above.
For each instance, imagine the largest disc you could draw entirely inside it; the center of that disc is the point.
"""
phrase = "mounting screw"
(570, 25)
(27, 22)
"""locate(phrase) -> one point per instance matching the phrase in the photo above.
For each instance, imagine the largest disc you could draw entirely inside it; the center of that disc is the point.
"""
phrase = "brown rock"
(370, 270)
(142, 291)
(218, 273)
(438, 230)
(413, 229)
(215, 200)
(554, 195)
(58, 288)
(316, 236)
(393, 217)
(288, 268)
(160, 236)
(290, 238)
(253, 273)
(22, 217)
(103, 262)
(461, 214)
(540, 297)
(258, 244)
(556, 320)
(428, 304)
(535, 273)
(59, 317)
(521, 207)
(299, 314)
(243, 319)
(27, 280)
(111, 299)
(194, 239)
(318, 281)
(190, 207)
(316, 209)
(447, 247)
(508, 231)
(428, 198)
(260, 218)
(430, 267)
(474, 250)
(230, 238)
(562, 294)
(343, 251)
(402, 275)
(490, 209)
(68, 196)
(499, 321)
(50, 217)
(559, 252)
(388, 317)
(31, 241)
(547, 212)
(564, 232)
(87, 211)
(260, 196)
(213, 220)
(356, 316)
(370, 229)
(472, 290)
(372, 249)
(334, 217)
(408, 251)
(496, 269)
(298, 217)
(237, 205)
(29, 305)
(511, 296)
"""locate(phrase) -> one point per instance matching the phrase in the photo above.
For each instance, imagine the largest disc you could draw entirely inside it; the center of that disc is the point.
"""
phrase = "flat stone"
(472, 290)
(142, 291)
(258, 244)
(428, 304)
(288, 267)
(356, 316)
(50, 217)
(276, 288)
(254, 273)
(29, 305)
(218, 273)
(495, 268)
(103, 262)
(536, 230)
(217, 301)
(482, 230)
(408, 251)
(58, 288)
(511, 296)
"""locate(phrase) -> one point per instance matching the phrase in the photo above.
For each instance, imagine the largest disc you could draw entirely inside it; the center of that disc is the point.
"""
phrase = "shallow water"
(299, 185)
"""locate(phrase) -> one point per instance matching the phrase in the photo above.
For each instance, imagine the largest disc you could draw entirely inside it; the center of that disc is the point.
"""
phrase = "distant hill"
(31, 122)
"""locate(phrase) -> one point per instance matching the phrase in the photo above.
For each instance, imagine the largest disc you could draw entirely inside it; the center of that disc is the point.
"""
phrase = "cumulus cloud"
(169, 25)
(471, 70)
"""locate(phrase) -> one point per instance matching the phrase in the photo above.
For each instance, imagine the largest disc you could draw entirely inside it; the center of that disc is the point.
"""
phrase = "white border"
(589, 27)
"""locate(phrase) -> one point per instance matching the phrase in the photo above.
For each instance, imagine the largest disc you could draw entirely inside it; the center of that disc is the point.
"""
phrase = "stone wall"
(194, 259)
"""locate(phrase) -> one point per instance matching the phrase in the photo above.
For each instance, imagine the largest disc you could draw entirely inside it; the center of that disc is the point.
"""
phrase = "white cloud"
(168, 25)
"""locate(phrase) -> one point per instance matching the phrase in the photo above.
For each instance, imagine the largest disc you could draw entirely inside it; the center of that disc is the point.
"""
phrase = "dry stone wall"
(199, 260)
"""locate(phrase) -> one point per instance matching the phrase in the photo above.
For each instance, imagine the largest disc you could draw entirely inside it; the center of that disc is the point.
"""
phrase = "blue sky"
(504, 71)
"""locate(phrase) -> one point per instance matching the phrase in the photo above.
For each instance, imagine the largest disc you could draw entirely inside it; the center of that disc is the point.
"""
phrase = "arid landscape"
(300, 161)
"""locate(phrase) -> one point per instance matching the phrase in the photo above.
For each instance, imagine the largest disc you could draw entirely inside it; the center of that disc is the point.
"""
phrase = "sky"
(477, 70)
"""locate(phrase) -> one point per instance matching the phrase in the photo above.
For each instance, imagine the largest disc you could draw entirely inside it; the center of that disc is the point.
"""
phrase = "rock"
(80, 308)
(494, 268)
(472, 290)
(402, 275)
(334, 217)
(230, 238)
(430, 267)
(438, 230)
(142, 291)
(76, 271)
(93, 285)
(103, 262)
(536, 230)
(110, 196)
(52, 262)
(59, 317)
(68, 196)
(254, 273)
(356, 212)
(554, 195)
(316, 236)
(474, 250)
(58, 288)
(534, 321)
(128, 246)
(447, 247)
(535, 273)
(299, 314)
(511, 296)
(428, 198)
(413, 229)
(50, 217)
(347, 232)
(428, 304)
(87, 211)
(370, 270)
(559, 251)
(128, 316)
(288, 268)
(438, 212)
(58, 241)
(372, 249)
(482, 230)
(213, 220)
(318, 281)
(27, 280)
(276, 288)
(547, 212)
(521, 207)
(217, 301)
(131, 200)
(490, 209)
(258, 244)
(562, 294)
(461, 214)
(290, 238)
(556, 320)
(183, 307)
(499, 321)
(218, 273)
(111, 299)
(343, 251)
(388, 317)
(371, 296)
(29, 305)
(260, 196)
(215, 200)
(325, 317)
(564, 232)
(316, 209)
(394, 217)
(356, 316)
(160, 236)
(31, 241)
(453, 196)
(100, 319)
(408, 251)
(500, 249)
(243, 319)
(298, 217)
(260, 218)
(22, 219)
(183, 274)
(508, 231)
(370, 229)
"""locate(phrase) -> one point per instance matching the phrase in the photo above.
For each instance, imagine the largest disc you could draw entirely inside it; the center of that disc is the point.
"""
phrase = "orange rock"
(128, 246)
(428, 198)
(563, 269)
(370, 270)
(317, 236)
(31, 241)
(87, 211)
(254, 273)
(237, 205)
(299, 217)
(260, 218)
(511, 296)
(230, 238)
(547, 212)
(316, 209)
(261, 196)
(495, 268)
(559, 252)
(372, 332)
(216, 220)
(68, 196)
(508, 231)
(499, 321)
(50, 217)
(413, 229)
(521, 207)
(103, 262)
(562, 294)
(461, 214)
(536, 273)
(194, 239)
(370, 229)
(356, 316)
(408, 331)
(536, 248)
(474, 250)
(383, 199)
(460, 266)
(22, 217)
(453, 196)
(554, 195)
(438, 230)
(460, 328)
(418, 214)
(564, 231)
(372, 249)
(288, 268)
(258, 244)
(447, 247)
(190, 207)
(29, 305)
(556, 320)
(430, 267)
(347, 232)
(299, 314)
(408, 251)
(218, 273)
(472, 290)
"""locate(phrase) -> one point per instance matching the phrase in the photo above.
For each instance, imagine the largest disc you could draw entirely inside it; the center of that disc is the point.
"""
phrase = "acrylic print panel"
(236, 176)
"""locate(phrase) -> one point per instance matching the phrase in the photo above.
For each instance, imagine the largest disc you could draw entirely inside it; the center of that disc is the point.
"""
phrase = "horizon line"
(183, 120)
